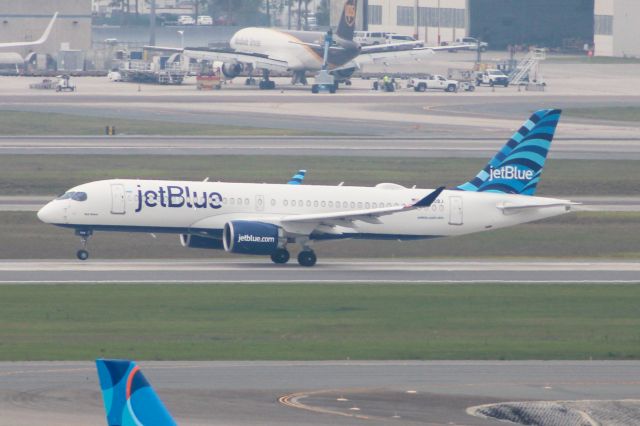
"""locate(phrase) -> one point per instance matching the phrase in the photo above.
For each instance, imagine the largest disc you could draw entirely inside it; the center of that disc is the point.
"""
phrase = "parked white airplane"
(41, 40)
(263, 219)
(301, 52)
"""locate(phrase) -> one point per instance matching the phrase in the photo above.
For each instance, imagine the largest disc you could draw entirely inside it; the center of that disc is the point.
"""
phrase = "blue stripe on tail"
(517, 167)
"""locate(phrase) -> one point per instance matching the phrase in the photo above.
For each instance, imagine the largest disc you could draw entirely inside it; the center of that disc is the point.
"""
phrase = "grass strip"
(626, 114)
(52, 174)
(26, 123)
(319, 322)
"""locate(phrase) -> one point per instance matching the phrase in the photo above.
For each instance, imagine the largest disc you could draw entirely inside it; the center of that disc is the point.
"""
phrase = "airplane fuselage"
(184, 207)
(294, 47)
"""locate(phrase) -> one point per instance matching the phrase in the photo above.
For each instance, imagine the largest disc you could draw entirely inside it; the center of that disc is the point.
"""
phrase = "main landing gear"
(306, 257)
(265, 83)
(84, 235)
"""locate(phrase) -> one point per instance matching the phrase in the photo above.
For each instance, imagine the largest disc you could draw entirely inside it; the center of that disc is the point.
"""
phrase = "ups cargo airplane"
(265, 219)
(300, 52)
(41, 40)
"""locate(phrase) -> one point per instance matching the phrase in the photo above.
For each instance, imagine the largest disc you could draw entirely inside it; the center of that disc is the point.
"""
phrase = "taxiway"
(313, 393)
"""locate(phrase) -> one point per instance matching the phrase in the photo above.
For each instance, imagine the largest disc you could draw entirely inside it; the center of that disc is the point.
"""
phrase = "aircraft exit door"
(117, 199)
(455, 210)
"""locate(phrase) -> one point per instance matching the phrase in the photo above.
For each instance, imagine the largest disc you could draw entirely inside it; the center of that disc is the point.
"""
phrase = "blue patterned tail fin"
(517, 167)
(297, 178)
(129, 399)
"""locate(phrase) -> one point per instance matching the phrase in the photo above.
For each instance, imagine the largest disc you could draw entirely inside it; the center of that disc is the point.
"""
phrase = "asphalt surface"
(326, 271)
(307, 393)
(411, 147)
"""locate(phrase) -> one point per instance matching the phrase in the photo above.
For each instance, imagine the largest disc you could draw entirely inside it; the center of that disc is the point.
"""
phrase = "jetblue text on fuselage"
(510, 172)
(173, 196)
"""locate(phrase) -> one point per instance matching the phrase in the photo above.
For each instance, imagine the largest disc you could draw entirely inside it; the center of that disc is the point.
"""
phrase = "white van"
(368, 38)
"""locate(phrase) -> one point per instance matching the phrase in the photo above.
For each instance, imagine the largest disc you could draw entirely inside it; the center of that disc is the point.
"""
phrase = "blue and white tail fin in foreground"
(129, 399)
(517, 167)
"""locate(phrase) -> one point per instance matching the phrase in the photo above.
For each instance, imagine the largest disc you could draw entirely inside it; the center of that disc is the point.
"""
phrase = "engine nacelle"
(246, 237)
(232, 70)
(195, 241)
(344, 73)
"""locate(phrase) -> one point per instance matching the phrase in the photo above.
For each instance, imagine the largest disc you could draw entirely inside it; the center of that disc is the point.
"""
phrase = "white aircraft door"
(117, 199)
(259, 203)
(455, 210)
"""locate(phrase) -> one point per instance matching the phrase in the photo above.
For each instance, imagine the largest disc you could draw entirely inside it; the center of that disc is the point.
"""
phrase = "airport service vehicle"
(39, 41)
(267, 219)
(470, 43)
(65, 84)
(436, 82)
(128, 396)
(402, 40)
(369, 38)
(302, 52)
(205, 20)
(492, 78)
(186, 20)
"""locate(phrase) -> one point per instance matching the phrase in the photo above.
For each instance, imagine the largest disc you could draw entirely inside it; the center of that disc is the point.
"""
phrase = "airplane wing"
(230, 56)
(41, 40)
(256, 60)
(388, 57)
(365, 215)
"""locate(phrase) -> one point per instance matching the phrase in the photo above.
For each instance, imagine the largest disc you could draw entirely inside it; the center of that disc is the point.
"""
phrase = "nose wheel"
(84, 235)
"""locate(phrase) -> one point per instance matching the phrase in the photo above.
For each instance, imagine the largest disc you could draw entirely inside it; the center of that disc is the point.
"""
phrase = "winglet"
(429, 199)
(297, 178)
(128, 397)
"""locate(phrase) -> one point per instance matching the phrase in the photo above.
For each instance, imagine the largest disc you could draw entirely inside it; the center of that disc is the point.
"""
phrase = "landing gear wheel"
(280, 256)
(82, 254)
(307, 258)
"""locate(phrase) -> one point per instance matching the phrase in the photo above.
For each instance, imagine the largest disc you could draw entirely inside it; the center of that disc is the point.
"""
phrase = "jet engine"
(344, 73)
(232, 70)
(247, 237)
(195, 241)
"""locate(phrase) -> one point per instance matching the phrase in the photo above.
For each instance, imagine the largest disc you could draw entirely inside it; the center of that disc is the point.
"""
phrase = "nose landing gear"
(84, 235)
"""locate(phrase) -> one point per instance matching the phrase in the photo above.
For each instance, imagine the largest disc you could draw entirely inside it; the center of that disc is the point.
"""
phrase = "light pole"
(439, 22)
(181, 33)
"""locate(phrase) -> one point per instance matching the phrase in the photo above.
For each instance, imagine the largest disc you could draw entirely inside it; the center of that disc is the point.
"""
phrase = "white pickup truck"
(492, 78)
(437, 82)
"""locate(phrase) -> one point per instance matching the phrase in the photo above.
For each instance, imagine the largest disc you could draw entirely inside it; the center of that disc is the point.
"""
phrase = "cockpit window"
(79, 196)
(66, 196)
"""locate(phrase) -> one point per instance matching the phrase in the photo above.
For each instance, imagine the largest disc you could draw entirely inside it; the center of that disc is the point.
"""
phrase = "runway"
(326, 271)
(248, 393)
(403, 147)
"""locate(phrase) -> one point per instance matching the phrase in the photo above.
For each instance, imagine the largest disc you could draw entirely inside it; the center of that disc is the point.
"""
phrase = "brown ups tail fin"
(347, 20)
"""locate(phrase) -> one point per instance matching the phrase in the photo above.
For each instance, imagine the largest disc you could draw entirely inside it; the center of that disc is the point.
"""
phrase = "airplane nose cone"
(47, 213)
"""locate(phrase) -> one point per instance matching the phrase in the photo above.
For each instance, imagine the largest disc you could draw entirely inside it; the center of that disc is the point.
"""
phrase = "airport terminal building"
(616, 31)
(609, 25)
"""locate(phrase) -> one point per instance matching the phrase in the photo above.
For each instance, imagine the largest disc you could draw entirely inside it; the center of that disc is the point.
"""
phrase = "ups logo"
(350, 13)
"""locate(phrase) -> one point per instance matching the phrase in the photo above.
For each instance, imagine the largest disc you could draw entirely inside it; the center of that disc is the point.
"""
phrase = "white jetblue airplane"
(41, 40)
(264, 219)
(300, 52)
